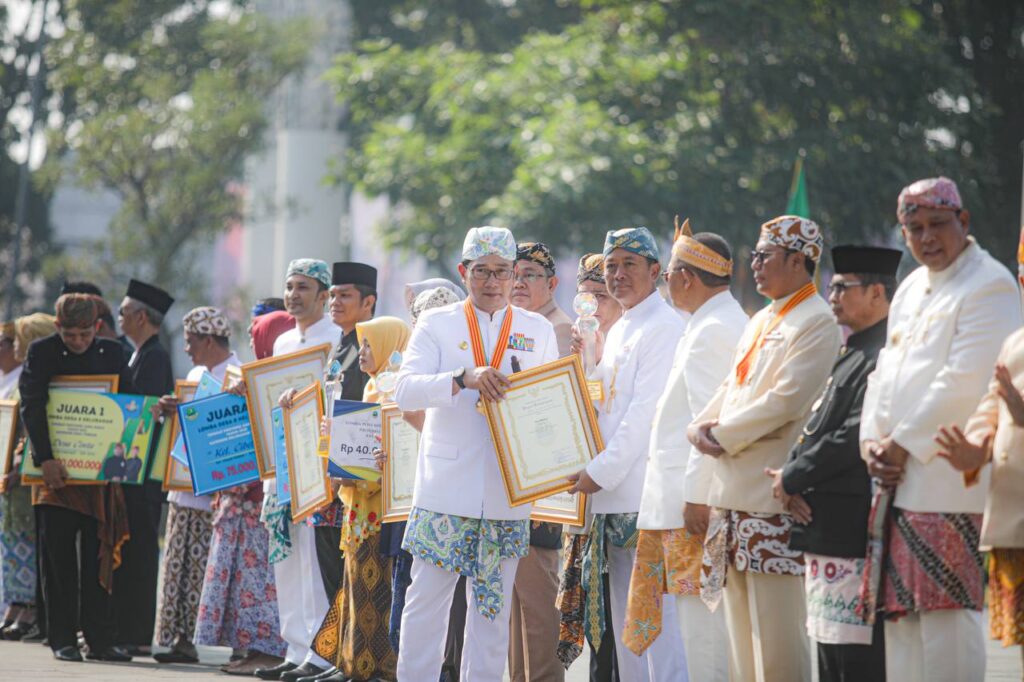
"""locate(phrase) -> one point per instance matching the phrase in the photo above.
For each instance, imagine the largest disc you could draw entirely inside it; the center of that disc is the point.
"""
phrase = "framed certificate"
(94, 383)
(176, 474)
(566, 508)
(308, 482)
(8, 438)
(544, 430)
(232, 377)
(401, 445)
(265, 381)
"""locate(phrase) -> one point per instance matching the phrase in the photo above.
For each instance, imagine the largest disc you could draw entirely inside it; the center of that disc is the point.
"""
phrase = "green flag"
(798, 204)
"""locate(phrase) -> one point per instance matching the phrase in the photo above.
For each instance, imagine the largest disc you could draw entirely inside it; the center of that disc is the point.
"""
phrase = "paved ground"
(34, 662)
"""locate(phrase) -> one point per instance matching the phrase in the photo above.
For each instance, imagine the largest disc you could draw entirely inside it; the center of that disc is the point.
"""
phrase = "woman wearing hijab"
(18, 573)
(238, 606)
(412, 291)
(359, 645)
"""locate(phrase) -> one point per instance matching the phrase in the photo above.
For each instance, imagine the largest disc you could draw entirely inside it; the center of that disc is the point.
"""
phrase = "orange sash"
(747, 361)
(477, 341)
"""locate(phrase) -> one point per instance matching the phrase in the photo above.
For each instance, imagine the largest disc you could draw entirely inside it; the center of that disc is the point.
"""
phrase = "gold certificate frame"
(544, 430)
(98, 383)
(265, 381)
(176, 474)
(562, 507)
(401, 443)
(232, 377)
(8, 438)
(308, 482)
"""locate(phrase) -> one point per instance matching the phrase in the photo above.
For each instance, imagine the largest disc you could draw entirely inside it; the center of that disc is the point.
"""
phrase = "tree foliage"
(568, 121)
(169, 98)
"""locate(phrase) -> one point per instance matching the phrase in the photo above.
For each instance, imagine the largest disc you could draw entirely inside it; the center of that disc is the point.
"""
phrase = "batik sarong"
(186, 550)
(832, 586)
(1006, 596)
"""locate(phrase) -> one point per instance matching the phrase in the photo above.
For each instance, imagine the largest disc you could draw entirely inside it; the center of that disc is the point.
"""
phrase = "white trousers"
(664, 660)
(705, 639)
(936, 646)
(301, 600)
(425, 627)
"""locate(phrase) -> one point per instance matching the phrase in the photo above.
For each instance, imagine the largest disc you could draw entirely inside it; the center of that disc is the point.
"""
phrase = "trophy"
(585, 305)
(387, 380)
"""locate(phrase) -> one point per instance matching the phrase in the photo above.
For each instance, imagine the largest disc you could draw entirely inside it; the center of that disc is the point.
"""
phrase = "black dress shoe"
(275, 672)
(174, 656)
(112, 654)
(69, 654)
(304, 670)
(34, 635)
(336, 676)
(325, 675)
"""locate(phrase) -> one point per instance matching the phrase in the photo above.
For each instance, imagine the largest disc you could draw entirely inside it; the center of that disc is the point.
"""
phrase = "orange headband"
(692, 252)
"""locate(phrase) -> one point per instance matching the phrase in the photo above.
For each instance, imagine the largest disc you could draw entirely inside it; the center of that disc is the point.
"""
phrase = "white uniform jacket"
(760, 420)
(677, 473)
(457, 471)
(945, 332)
(634, 369)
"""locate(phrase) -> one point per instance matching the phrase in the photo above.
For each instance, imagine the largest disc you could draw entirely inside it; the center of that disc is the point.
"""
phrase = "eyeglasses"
(761, 256)
(840, 287)
(483, 274)
(529, 277)
(668, 273)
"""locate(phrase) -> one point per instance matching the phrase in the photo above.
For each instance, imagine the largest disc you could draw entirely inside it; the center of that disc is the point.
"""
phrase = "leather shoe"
(16, 631)
(304, 670)
(275, 672)
(112, 654)
(34, 636)
(325, 675)
(336, 676)
(174, 656)
(69, 654)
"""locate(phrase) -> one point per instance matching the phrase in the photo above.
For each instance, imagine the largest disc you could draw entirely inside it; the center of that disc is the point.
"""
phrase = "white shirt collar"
(939, 278)
(709, 306)
(645, 307)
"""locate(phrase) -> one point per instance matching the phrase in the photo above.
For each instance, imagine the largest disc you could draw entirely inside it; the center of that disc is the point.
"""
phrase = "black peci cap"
(354, 273)
(874, 260)
(153, 296)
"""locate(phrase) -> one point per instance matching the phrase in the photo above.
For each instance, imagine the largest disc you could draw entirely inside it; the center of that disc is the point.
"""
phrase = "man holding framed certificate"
(634, 368)
(301, 599)
(74, 582)
(461, 522)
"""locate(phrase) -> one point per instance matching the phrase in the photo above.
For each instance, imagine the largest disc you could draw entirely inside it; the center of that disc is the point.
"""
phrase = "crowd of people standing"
(833, 472)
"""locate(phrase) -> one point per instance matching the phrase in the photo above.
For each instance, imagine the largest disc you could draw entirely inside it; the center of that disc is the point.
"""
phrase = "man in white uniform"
(673, 510)
(755, 417)
(301, 599)
(461, 523)
(946, 325)
(634, 367)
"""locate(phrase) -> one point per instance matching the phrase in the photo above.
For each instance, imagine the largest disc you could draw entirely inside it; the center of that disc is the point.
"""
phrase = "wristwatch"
(459, 376)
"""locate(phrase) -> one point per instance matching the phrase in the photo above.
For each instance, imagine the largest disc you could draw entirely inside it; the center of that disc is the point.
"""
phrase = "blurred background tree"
(562, 120)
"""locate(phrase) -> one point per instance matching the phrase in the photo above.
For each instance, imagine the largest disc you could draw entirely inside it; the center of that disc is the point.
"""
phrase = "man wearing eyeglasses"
(946, 325)
(461, 522)
(755, 417)
(633, 371)
(825, 484)
(533, 642)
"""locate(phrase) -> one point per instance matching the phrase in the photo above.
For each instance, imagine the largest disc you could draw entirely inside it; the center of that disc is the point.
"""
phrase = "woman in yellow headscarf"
(357, 643)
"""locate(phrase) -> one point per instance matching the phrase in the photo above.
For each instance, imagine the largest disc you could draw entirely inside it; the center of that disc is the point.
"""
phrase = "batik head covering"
(265, 330)
(796, 234)
(385, 335)
(697, 255)
(489, 241)
(539, 253)
(414, 289)
(206, 321)
(431, 298)
(940, 192)
(32, 328)
(312, 268)
(266, 305)
(591, 269)
(638, 240)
